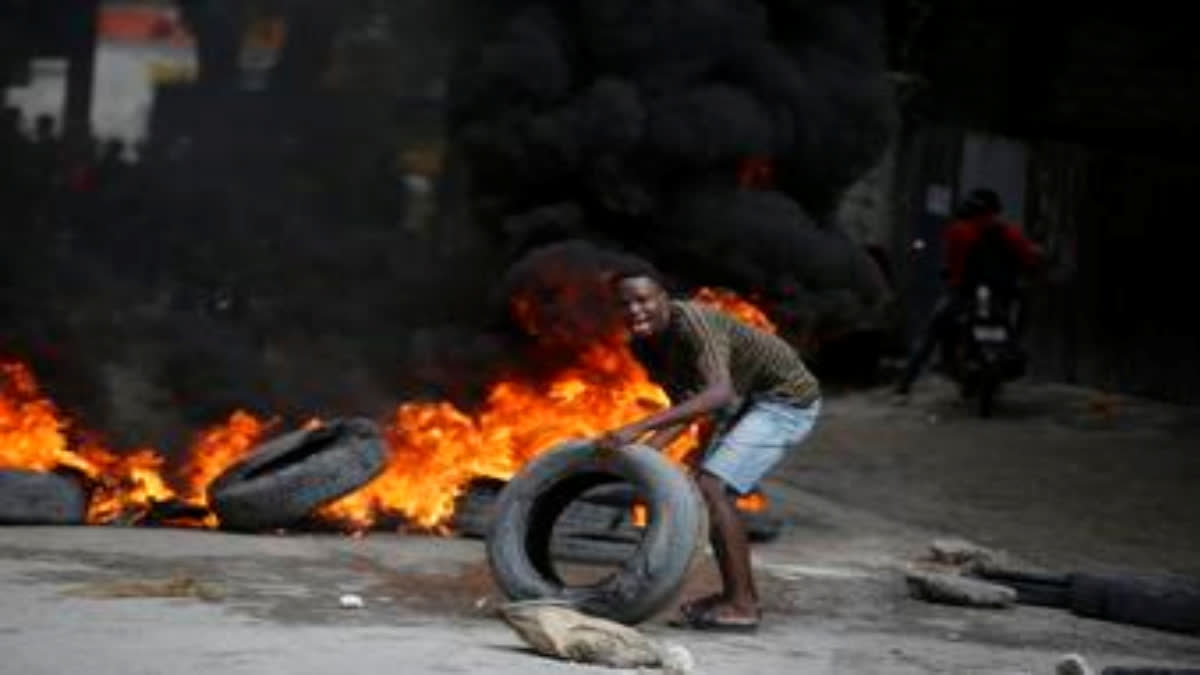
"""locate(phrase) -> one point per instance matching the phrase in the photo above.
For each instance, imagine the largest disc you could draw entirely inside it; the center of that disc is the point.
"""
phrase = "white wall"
(123, 94)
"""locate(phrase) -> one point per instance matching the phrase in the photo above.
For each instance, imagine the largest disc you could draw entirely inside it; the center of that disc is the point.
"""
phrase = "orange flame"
(218, 448)
(640, 515)
(34, 437)
(130, 483)
(436, 449)
(755, 502)
(32, 433)
(732, 303)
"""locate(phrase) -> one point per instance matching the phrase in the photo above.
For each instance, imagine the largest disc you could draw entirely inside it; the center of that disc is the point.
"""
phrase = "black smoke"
(625, 122)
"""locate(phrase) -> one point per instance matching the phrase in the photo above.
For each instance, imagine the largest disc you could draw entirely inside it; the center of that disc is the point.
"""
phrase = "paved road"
(875, 487)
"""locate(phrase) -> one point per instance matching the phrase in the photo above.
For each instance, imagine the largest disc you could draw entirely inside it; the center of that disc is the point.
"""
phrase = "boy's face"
(644, 306)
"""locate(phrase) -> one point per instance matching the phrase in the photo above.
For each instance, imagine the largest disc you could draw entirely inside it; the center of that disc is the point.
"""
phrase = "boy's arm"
(718, 392)
(662, 438)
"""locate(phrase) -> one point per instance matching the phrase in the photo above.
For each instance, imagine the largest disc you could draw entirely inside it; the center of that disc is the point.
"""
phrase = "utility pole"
(80, 32)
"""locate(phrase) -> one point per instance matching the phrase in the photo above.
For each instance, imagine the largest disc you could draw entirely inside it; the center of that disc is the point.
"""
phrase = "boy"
(765, 401)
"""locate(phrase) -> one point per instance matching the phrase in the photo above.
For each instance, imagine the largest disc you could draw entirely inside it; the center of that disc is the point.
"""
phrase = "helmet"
(980, 201)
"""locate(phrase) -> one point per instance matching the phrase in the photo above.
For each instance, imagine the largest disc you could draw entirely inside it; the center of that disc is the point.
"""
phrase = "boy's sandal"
(708, 620)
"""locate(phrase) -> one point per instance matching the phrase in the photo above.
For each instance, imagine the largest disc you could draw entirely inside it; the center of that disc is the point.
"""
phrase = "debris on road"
(955, 589)
(1074, 664)
(965, 555)
(554, 629)
(351, 601)
(941, 576)
(960, 572)
(178, 586)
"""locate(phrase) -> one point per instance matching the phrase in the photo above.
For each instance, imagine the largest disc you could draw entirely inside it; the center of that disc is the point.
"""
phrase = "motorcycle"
(986, 353)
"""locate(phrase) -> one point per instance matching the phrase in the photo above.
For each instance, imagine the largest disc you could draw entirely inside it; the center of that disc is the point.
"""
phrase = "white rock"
(1072, 664)
(351, 601)
(677, 660)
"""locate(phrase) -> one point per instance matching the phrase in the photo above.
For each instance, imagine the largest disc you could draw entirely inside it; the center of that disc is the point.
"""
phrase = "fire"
(436, 449)
(34, 437)
(640, 515)
(216, 449)
(32, 432)
(731, 302)
(130, 483)
(755, 502)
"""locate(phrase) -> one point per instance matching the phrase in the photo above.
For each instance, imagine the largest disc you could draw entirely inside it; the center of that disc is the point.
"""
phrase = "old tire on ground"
(286, 478)
(1043, 589)
(519, 542)
(1167, 602)
(474, 508)
(41, 498)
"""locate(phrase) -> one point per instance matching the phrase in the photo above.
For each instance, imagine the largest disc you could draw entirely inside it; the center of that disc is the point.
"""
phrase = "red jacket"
(961, 235)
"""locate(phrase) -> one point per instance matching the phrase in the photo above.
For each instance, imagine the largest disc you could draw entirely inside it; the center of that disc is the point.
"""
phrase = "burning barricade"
(430, 467)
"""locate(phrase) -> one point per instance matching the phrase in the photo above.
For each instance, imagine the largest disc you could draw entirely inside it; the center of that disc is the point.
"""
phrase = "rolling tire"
(519, 543)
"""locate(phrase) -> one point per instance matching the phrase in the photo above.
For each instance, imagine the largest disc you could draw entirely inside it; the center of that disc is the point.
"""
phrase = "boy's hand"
(616, 439)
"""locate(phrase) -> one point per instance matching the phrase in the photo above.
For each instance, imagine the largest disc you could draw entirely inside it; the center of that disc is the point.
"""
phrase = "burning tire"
(35, 498)
(288, 477)
(519, 542)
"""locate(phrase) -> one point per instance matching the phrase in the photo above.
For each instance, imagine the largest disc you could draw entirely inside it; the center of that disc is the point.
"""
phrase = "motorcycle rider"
(978, 245)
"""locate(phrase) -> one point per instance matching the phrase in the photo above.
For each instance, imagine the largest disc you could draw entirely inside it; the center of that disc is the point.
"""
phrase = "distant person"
(977, 245)
(763, 399)
(112, 165)
(12, 153)
(47, 150)
(10, 126)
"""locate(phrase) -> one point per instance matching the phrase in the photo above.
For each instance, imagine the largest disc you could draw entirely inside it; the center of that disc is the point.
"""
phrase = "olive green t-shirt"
(700, 341)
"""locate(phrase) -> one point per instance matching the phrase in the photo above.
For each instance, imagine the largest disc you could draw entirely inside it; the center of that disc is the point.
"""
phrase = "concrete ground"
(1062, 478)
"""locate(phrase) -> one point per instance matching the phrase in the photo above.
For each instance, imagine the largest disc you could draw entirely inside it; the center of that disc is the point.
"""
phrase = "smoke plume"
(636, 123)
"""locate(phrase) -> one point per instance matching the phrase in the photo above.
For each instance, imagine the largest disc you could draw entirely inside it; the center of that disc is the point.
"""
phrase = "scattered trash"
(940, 576)
(351, 601)
(554, 629)
(960, 572)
